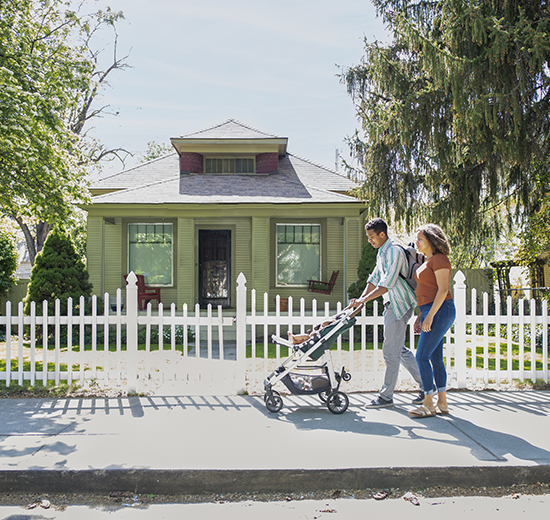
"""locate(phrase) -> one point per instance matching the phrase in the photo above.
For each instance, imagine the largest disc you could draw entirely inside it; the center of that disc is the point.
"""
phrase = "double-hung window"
(298, 253)
(150, 252)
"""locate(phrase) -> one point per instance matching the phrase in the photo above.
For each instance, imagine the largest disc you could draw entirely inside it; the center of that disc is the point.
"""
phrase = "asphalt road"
(503, 508)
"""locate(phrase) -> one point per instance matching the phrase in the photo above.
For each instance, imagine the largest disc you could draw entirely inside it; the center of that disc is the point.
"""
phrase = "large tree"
(49, 76)
(455, 114)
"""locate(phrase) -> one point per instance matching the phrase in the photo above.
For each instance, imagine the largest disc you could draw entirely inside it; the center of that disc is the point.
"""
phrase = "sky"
(270, 65)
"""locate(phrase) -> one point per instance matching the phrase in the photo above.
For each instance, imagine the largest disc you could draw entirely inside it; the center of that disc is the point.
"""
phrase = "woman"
(437, 314)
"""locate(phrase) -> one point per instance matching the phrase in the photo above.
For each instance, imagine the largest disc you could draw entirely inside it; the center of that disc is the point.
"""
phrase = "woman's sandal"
(421, 412)
(441, 411)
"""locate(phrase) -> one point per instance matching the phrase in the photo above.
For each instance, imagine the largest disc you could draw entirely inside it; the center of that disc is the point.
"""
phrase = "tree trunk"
(34, 246)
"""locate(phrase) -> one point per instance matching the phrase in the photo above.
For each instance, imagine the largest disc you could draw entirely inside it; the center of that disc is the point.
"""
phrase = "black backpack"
(414, 260)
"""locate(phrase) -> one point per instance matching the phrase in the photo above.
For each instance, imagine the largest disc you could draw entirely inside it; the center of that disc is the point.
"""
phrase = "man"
(399, 303)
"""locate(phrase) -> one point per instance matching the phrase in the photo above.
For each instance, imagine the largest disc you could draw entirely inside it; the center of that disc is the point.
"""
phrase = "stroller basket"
(302, 383)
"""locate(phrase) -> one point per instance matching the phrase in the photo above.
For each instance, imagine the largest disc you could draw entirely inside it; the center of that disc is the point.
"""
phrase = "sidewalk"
(189, 444)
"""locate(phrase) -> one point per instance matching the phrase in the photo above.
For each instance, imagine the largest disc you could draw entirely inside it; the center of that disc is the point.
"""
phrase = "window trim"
(171, 284)
(320, 226)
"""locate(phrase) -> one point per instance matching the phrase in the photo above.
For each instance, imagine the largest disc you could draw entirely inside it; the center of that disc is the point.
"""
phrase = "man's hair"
(377, 225)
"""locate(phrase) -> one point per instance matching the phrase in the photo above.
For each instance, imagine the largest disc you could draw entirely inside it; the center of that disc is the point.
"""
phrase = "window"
(150, 252)
(229, 165)
(298, 253)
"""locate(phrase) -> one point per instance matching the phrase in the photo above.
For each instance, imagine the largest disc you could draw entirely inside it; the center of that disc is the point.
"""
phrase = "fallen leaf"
(412, 498)
(381, 495)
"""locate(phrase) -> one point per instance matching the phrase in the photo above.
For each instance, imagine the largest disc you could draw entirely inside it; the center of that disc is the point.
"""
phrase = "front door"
(215, 267)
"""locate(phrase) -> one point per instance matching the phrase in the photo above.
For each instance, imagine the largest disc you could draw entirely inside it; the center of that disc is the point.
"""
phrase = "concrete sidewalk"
(189, 444)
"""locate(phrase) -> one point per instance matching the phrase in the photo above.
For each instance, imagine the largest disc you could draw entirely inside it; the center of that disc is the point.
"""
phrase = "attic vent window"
(229, 165)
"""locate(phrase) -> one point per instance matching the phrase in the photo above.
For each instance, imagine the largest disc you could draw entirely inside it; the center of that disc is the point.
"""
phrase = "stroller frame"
(314, 348)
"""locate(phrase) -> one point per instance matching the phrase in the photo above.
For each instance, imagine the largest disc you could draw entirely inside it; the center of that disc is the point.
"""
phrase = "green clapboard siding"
(354, 243)
(335, 258)
(113, 257)
(95, 253)
(260, 250)
(186, 262)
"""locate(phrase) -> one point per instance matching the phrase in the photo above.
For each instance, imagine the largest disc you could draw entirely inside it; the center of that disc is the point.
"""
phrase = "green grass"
(515, 351)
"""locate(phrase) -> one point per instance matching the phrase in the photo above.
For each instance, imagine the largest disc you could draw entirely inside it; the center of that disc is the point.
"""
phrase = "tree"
(364, 269)
(455, 115)
(155, 151)
(8, 263)
(50, 76)
(58, 273)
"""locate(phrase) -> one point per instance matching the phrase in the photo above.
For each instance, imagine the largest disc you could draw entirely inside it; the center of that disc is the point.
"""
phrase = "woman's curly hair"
(436, 237)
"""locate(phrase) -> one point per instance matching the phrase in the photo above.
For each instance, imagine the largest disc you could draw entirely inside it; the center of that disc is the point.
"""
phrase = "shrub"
(58, 273)
(8, 263)
(365, 267)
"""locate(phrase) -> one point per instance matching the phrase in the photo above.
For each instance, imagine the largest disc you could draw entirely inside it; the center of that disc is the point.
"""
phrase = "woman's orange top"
(426, 282)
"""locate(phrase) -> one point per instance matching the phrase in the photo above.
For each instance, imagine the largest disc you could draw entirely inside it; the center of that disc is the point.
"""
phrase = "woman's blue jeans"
(429, 352)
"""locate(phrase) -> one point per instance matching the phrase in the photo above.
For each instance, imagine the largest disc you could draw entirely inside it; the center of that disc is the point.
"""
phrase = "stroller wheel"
(323, 395)
(337, 402)
(274, 403)
(274, 392)
(346, 376)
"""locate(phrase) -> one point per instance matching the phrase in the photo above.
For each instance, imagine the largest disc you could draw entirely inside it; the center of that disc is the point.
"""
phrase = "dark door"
(215, 267)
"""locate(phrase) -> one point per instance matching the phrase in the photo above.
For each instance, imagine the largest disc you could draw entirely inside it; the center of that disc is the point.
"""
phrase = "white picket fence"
(208, 350)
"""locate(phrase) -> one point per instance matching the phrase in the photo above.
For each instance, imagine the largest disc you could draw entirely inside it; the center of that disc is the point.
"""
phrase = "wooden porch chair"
(145, 293)
(323, 287)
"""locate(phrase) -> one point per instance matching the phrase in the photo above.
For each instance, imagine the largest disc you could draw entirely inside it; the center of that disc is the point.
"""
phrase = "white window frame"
(171, 224)
(313, 224)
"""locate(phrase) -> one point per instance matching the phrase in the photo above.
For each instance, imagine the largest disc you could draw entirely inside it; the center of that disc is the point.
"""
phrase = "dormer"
(230, 148)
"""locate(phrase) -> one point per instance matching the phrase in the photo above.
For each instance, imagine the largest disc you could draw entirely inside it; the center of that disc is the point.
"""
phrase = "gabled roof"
(231, 129)
(230, 135)
(159, 182)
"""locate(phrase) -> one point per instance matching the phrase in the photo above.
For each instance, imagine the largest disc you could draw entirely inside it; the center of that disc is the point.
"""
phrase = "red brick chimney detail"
(191, 162)
(267, 162)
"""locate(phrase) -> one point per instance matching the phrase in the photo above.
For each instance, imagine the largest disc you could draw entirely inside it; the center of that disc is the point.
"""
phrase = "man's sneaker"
(420, 398)
(380, 402)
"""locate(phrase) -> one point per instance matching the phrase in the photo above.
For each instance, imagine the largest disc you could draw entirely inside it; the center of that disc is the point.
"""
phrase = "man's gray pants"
(395, 352)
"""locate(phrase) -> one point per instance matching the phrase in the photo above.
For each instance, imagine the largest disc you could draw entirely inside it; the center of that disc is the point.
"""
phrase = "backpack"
(414, 260)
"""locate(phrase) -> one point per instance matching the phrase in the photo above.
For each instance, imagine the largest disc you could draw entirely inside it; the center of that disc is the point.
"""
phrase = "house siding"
(354, 247)
(335, 257)
(261, 251)
(113, 256)
(95, 253)
(186, 261)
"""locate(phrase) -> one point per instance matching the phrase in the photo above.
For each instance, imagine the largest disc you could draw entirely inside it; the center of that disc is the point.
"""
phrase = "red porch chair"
(145, 293)
(323, 287)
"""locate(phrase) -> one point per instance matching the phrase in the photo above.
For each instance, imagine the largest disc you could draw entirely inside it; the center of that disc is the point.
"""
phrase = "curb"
(170, 482)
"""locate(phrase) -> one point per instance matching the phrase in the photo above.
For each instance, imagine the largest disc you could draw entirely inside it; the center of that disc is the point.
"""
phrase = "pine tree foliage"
(58, 273)
(455, 114)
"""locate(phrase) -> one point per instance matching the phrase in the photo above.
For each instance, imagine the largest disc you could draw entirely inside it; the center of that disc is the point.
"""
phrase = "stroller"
(308, 379)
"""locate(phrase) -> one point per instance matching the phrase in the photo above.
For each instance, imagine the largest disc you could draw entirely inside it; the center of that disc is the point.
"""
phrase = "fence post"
(460, 328)
(131, 331)
(241, 332)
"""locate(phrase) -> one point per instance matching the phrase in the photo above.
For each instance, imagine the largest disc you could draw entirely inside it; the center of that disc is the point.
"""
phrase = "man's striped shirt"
(390, 261)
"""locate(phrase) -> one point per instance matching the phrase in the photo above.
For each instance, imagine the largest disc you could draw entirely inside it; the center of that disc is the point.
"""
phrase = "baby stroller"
(308, 379)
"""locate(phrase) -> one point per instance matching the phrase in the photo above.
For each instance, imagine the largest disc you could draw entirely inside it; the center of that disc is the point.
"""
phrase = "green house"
(230, 199)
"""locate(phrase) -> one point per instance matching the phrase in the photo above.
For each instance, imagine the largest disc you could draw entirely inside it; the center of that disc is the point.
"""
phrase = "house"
(230, 199)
